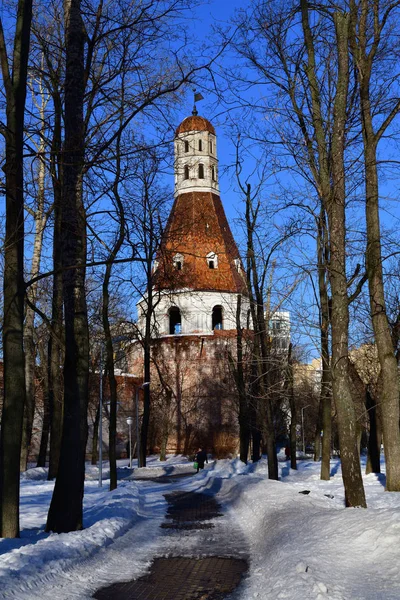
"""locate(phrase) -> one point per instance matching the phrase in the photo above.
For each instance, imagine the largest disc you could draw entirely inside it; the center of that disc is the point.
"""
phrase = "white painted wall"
(192, 159)
(196, 311)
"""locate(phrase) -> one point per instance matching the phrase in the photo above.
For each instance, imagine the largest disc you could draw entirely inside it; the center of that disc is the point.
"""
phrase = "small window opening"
(186, 172)
(175, 321)
(178, 262)
(213, 173)
(200, 145)
(186, 146)
(211, 147)
(212, 260)
(217, 322)
(201, 171)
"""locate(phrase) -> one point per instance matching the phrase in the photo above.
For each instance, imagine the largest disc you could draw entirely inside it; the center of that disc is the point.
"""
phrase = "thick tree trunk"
(364, 54)
(13, 284)
(349, 454)
(332, 184)
(65, 512)
(389, 370)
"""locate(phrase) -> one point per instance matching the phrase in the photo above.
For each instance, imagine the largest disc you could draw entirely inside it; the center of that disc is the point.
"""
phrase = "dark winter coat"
(201, 458)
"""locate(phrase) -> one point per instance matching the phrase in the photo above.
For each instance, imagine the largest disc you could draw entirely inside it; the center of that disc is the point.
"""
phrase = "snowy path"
(300, 547)
(127, 557)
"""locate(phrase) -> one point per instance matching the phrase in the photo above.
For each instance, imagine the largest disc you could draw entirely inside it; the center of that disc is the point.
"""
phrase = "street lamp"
(101, 418)
(130, 422)
(302, 426)
(139, 387)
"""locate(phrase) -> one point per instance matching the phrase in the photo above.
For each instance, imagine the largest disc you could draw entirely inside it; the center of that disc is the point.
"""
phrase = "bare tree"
(371, 41)
(294, 70)
(65, 513)
(14, 75)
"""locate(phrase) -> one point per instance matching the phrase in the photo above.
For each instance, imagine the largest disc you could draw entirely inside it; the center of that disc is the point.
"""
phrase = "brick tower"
(198, 272)
(198, 279)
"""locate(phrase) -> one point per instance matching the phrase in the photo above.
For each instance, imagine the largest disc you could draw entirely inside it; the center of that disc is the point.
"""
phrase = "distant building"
(279, 331)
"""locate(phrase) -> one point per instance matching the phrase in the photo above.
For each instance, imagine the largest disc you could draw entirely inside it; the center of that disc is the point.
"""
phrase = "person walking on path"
(201, 458)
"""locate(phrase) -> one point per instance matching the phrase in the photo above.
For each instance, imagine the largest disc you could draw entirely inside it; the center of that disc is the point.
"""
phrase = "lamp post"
(140, 387)
(101, 418)
(302, 426)
(130, 421)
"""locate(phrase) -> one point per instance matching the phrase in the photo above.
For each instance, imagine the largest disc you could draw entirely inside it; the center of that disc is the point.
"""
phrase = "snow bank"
(301, 541)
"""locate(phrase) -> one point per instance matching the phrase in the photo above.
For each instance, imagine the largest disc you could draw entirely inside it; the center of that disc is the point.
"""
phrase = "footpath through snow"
(300, 546)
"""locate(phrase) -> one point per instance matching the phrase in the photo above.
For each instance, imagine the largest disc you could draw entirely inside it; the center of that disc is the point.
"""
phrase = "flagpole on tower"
(197, 98)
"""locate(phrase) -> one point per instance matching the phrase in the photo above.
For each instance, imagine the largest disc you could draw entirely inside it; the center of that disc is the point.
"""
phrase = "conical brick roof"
(198, 226)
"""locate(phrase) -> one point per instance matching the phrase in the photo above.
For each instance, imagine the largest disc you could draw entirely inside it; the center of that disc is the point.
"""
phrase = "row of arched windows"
(200, 146)
(175, 319)
(200, 172)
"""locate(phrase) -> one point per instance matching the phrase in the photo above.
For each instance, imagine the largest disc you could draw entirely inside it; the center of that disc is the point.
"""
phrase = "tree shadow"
(381, 477)
(335, 469)
(285, 471)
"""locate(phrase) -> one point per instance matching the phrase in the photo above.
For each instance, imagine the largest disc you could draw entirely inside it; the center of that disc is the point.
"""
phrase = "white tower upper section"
(196, 163)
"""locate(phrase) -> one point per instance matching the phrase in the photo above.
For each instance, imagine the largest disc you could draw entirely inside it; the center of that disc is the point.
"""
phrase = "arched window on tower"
(200, 145)
(175, 320)
(186, 172)
(201, 171)
(217, 321)
(213, 177)
(211, 147)
(186, 146)
(212, 260)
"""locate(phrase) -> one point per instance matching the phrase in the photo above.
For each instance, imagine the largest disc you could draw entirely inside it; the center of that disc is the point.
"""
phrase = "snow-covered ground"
(300, 546)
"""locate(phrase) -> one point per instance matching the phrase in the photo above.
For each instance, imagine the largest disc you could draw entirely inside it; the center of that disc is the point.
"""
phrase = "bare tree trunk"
(325, 396)
(390, 377)
(261, 354)
(65, 512)
(364, 54)
(165, 426)
(13, 354)
(293, 412)
(332, 181)
(56, 401)
(146, 391)
(374, 442)
(238, 374)
(349, 454)
(44, 438)
(29, 330)
(95, 440)
(108, 337)
(56, 343)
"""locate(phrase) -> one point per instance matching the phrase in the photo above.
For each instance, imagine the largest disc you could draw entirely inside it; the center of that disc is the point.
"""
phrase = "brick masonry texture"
(196, 227)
